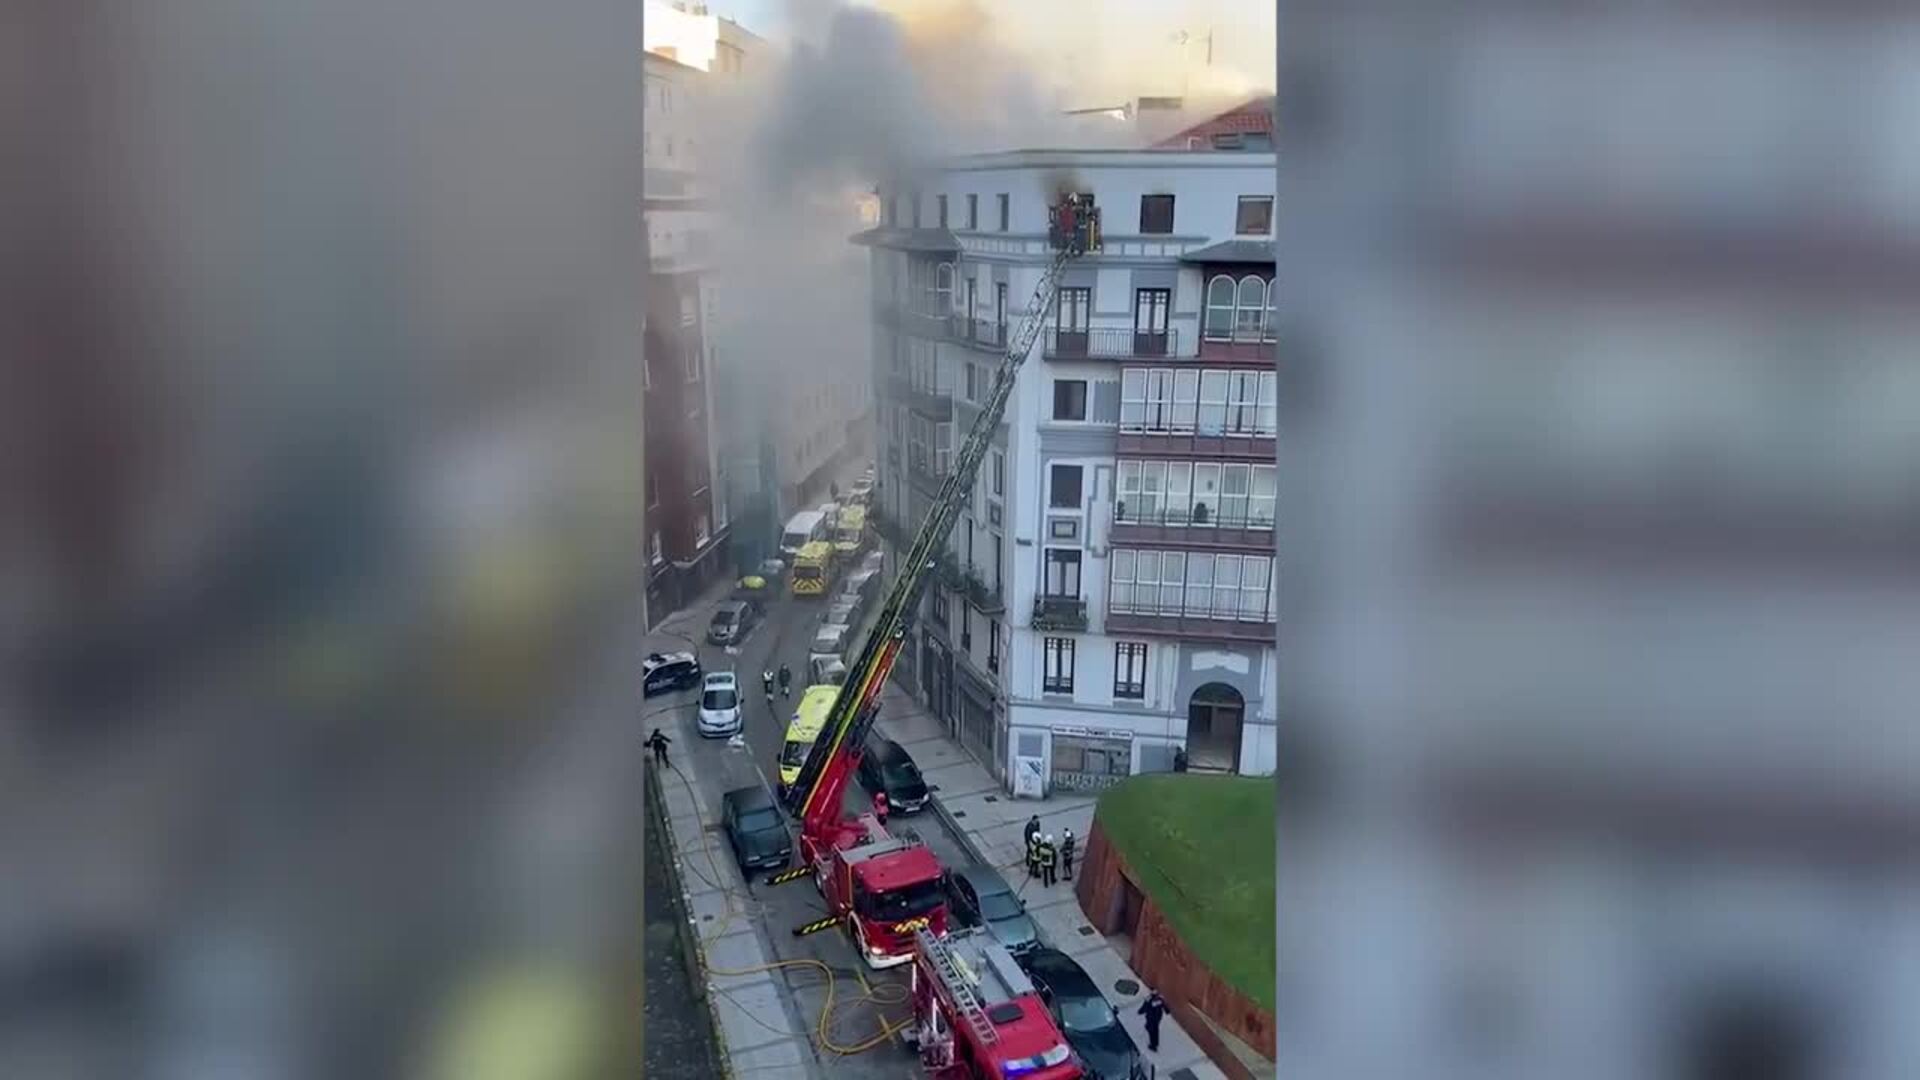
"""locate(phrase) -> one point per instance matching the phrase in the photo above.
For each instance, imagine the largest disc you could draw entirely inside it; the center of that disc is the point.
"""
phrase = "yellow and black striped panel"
(785, 876)
(816, 926)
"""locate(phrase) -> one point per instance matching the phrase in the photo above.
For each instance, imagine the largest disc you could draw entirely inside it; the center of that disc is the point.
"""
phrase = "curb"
(691, 952)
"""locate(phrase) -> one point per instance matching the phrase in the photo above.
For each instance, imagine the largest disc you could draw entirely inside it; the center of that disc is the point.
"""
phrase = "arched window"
(1250, 313)
(1219, 309)
(1273, 308)
(943, 289)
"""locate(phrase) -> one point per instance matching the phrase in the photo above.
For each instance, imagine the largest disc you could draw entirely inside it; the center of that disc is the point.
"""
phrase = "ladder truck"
(977, 1016)
(885, 889)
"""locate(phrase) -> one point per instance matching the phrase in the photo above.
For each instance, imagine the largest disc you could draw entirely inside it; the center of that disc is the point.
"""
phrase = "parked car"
(887, 768)
(720, 705)
(827, 671)
(731, 621)
(661, 672)
(830, 641)
(875, 561)
(842, 612)
(774, 570)
(979, 896)
(1088, 1020)
(755, 830)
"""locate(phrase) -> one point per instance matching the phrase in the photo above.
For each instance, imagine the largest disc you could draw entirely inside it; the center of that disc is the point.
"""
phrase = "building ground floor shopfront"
(674, 585)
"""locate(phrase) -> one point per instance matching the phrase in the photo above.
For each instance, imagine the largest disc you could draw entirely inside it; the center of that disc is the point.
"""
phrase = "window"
(1073, 309)
(1151, 308)
(1063, 573)
(1120, 588)
(1156, 214)
(973, 381)
(914, 202)
(942, 289)
(1213, 402)
(1057, 675)
(655, 552)
(1273, 307)
(1261, 503)
(966, 628)
(701, 531)
(1240, 311)
(997, 550)
(1269, 394)
(999, 488)
(1250, 311)
(1004, 215)
(1179, 492)
(1206, 492)
(1254, 216)
(1186, 397)
(940, 201)
(1064, 491)
(993, 645)
(1243, 402)
(973, 211)
(689, 310)
(1195, 585)
(1130, 670)
(1233, 495)
(1133, 399)
(693, 364)
(1069, 399)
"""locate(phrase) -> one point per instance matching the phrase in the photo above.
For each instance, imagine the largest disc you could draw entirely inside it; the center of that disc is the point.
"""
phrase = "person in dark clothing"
(1048, 856)
(880, 806)
(1180, 759)
(786, 680)
(1033, 847)
(1153, 1009)
(658, 742)
(1066, 855)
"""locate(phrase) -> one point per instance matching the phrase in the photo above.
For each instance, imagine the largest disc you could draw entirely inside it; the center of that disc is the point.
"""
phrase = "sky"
(1113, 48)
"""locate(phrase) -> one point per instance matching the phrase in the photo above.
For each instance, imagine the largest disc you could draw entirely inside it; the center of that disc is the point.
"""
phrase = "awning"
(1249, 252)
(928, 240)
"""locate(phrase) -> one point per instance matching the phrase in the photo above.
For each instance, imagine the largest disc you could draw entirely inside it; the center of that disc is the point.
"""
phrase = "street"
(817, 967)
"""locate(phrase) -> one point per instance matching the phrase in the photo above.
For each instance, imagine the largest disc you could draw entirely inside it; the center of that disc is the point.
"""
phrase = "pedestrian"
(1180, 759)
(1153, 1009)
(1033, 847)
(658, 741)
(786, 680)
(766, 683)
(880, 806)
(1066, 855)
(1047, 857)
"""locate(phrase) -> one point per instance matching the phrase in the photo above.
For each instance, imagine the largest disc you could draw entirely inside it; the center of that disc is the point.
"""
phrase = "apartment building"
(1109, 596)
(687, 515)
(690, 34)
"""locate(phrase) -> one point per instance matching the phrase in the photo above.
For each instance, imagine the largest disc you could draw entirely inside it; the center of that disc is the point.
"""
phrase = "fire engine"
(886, 889)
(976, 1015)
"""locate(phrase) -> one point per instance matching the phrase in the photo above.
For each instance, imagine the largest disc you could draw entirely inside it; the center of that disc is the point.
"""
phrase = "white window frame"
(1261, 509)
(1133, 399)
(1233, 504)
(1057, 664)
(1218, 302)
(1130, 670)
(1212, 415)
(1243, 402)
(1250, 311)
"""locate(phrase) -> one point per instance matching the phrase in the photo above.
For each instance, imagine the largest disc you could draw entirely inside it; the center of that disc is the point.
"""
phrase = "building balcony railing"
(920, 399)
(1062, 613)
(990, 334)
(1221, 444)
(924, 474)
(1111, 343)
(1203, 627)
(1200, 527)
(981, 333)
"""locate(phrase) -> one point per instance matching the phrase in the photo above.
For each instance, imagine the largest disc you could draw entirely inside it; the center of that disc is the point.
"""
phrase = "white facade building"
(690, 34)
(1110, 595)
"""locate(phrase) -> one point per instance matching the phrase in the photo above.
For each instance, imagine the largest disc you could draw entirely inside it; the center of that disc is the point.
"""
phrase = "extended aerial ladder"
(815, 797)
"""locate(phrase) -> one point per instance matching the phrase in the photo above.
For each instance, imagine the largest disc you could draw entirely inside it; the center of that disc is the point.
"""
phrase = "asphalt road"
(864, 1000)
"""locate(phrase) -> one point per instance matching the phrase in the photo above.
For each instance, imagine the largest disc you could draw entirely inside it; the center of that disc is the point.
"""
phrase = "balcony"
(1191, 529)
(924, 474)
(1060, 613)
(1233, 445)
(988, 334)
(1250, 345)
(1111, 343)
(921, 399)
(1195, 627)
(980, 333)
(966, 581)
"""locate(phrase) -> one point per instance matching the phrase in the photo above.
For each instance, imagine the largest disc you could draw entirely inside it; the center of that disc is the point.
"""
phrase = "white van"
(802, 529)
(830, 642)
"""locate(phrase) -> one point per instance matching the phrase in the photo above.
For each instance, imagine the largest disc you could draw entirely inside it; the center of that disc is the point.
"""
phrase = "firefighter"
(786, 681)
(1047, 858)
(658, 743)
(1066, 855)
(880, 806)
(766, 683)
(1033, 847)
(1153, 1009)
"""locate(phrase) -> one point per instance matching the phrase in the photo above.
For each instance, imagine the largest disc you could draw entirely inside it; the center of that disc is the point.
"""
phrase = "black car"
(755, 829)
(886, 767)
(731, 621)
(662, 672)
(1085, 1017)
(979, 896)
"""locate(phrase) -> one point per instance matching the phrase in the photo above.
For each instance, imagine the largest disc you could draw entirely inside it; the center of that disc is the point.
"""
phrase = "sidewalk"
(990, 822)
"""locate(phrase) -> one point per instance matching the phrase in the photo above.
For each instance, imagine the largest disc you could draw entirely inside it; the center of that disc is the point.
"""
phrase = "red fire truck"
(884, 888)
(976, 1015)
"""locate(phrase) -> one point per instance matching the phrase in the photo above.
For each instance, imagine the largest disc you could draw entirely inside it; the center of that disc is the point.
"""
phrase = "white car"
(720, 706)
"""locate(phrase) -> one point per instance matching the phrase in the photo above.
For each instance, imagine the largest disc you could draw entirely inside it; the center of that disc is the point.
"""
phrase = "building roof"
(1250, 252)
(1251, 117)
(933, 240)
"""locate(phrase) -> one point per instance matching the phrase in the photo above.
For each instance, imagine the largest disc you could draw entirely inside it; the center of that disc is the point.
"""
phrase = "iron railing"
(1060, 613)
(1111, 343)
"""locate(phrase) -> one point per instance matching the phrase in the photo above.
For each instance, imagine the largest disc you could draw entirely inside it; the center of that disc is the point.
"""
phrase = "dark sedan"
(1088, 1020)
(755, 829)
(887, 768)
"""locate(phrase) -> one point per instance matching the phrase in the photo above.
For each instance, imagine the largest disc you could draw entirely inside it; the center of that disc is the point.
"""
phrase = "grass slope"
(1203, 849)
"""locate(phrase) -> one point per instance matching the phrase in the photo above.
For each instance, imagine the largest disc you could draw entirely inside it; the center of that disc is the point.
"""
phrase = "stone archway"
(1214, 716)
